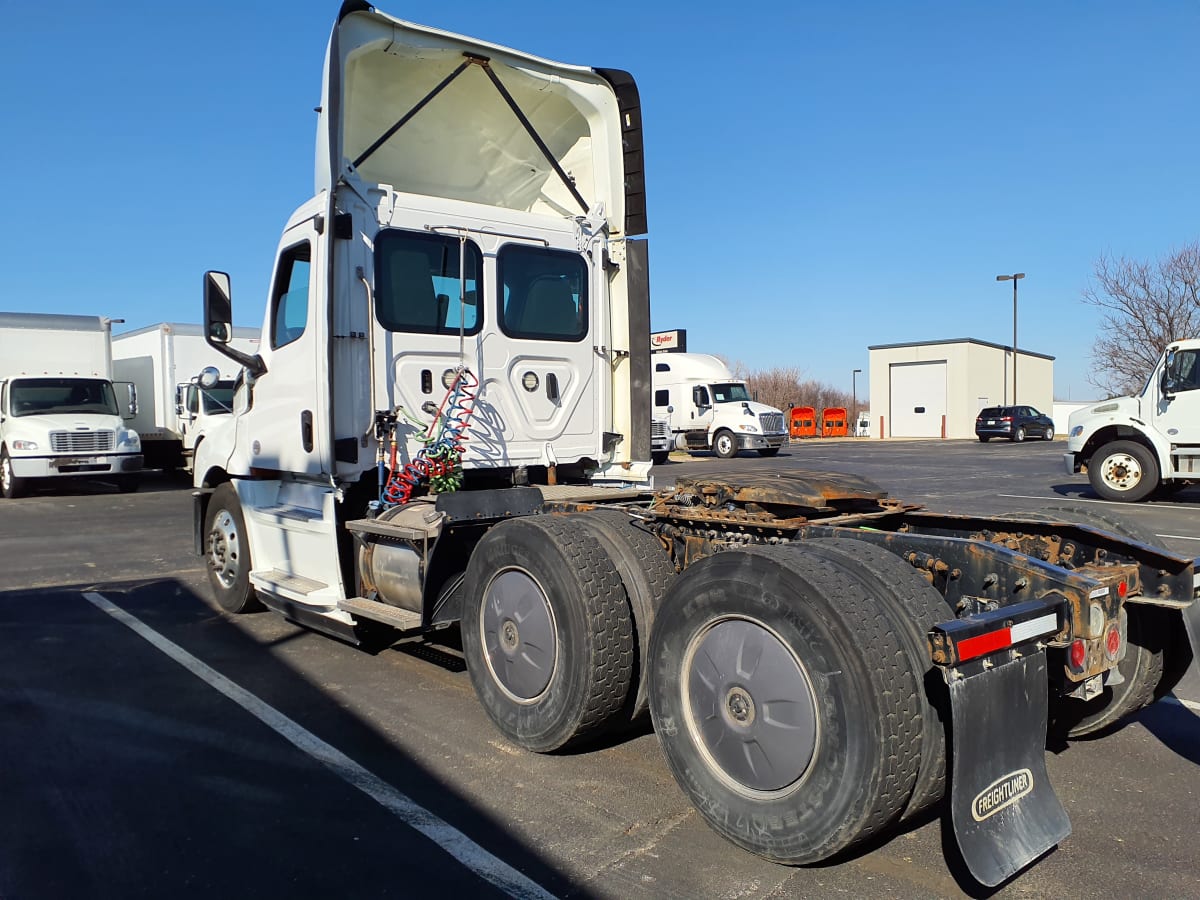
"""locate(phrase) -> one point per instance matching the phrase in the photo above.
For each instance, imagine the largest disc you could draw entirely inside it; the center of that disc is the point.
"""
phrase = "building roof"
(976, 341)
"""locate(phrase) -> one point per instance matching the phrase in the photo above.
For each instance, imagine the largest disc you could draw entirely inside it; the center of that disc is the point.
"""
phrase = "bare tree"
(1145, 305)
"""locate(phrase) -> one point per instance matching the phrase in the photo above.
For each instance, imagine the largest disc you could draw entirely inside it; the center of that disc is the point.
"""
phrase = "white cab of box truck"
(174, 412)
(60, 414)
(1133, 446)
(708, 409)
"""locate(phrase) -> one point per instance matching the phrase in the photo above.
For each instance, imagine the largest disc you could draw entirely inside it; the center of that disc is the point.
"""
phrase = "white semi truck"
(1131, 447)
(60, 415)
(447, 424)
(174, 412)
(708, 409)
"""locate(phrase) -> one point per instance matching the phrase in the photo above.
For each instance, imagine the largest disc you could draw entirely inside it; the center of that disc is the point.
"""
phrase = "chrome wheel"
(750, 706)
(224, 549)
(519, 636)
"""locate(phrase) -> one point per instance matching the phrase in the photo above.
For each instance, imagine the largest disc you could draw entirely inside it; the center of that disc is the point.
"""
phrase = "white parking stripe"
(1175, 701)
(450, 839)
(1159, 508)
(1179, 537)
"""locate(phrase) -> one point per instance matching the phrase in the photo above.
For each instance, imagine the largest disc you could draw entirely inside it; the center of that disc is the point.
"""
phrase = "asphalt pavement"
(153, 745)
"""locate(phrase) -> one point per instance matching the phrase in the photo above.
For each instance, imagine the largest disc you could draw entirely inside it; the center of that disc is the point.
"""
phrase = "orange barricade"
(833, 422)
(803, 422)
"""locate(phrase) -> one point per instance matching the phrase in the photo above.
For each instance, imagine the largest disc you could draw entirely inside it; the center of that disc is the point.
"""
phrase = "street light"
(854, 398)
(1014, 278)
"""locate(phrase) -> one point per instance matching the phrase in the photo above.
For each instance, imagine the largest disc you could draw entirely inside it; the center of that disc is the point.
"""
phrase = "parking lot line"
(1172, 506)
(1180, 537)
(1175, 701)
(449, 838)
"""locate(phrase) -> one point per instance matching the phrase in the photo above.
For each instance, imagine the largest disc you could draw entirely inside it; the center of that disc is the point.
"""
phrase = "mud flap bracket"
(1003, 807)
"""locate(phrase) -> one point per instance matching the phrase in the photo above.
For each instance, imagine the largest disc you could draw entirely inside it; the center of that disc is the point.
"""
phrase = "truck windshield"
(47, 396)
(218, 400)
(732, 392)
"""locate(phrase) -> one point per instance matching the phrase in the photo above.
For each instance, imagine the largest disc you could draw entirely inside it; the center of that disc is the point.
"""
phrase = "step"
(404, 619)
(274, 579)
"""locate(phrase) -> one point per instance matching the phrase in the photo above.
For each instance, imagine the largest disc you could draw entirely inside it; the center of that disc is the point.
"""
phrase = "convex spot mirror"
(208, 377)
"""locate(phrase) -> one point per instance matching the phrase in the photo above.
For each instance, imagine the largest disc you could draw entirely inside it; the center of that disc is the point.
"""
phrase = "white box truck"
(707, 408)
(60, 414)
(174, 412)
(448, 422)
(1131, 447)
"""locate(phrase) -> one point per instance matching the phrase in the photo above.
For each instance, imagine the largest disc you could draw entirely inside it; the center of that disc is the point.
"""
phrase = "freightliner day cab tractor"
(1132, 447)
(448, 424)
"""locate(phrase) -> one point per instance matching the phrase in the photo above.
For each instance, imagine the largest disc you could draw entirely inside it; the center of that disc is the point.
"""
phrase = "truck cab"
(708, 409)
(1132, 446)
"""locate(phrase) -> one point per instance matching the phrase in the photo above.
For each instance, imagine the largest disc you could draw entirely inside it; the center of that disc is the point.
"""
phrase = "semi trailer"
(446, 426)
(164, 361)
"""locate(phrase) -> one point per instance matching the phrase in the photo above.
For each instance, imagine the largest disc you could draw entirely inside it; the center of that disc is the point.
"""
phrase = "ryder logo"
(1001, 793)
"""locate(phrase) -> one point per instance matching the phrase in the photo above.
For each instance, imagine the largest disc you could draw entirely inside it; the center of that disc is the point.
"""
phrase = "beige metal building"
(935, 388)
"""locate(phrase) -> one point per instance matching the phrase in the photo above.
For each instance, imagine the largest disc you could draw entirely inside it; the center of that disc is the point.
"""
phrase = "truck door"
(1179, 418)
(702, 409)
(541, 377)
(283, 426)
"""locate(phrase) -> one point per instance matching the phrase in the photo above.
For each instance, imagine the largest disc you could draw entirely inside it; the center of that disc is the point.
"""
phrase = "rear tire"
(1019, 434)
(546, 632)
(10, 485)
(784, 703)
(1123, 471)
(227, 551)
(724, 445)
(646, 573)
(914, 607)
(984, 438)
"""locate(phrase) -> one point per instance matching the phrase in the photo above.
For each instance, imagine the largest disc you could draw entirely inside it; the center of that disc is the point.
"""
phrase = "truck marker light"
(1002, 638)
(1113, 642)
(1078, 653)
(1122, 589)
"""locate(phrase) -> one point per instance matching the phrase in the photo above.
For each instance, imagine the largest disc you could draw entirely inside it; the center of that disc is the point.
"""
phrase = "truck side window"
(1187, 370)
(289, 305)
(417, 284)
(543, 293)
(662, 398)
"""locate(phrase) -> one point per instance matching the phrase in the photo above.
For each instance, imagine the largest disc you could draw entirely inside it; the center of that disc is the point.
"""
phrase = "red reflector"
(1122, 590)
(1078, 654)
(984, 643)
(1113, 642)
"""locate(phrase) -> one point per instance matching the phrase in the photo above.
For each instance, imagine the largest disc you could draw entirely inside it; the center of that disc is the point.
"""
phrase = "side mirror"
(131, 403)
(218, 308)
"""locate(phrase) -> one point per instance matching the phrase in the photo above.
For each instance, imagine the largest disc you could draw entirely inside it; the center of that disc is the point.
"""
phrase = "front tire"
(1123, 471)
(546, 632)
(1048, 435)
(128, 484)
(784, 703)
(10, 485)
(724, 445)
(659, 457)
(984, 438)
(768, 451)
(227, 551)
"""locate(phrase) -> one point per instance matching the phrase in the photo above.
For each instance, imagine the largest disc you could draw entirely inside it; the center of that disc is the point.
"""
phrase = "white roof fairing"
(466, 143)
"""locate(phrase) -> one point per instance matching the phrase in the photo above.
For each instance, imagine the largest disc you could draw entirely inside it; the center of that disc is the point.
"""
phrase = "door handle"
(306, 430)
(552, 387)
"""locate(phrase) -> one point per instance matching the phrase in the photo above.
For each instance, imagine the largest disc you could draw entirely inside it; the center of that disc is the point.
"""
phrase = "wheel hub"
(223, 549)
(1122, 472)
(740, 706)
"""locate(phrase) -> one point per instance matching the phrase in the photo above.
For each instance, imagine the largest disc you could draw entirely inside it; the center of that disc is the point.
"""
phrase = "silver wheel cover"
(750, 706)
(520, 640)
(1121, 472)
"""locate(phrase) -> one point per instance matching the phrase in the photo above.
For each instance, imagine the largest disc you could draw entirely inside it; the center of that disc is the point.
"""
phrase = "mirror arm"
(251, 362)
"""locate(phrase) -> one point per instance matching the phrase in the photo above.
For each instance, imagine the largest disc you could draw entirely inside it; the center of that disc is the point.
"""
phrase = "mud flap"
(1004, 809)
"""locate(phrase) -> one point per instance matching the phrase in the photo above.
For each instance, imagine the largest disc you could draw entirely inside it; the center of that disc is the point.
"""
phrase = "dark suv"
(1013, 422)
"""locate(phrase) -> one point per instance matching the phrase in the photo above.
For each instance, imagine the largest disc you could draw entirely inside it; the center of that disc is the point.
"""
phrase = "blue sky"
(821, 176)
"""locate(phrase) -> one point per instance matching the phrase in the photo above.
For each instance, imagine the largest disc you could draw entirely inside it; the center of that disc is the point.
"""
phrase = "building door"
(918, 392)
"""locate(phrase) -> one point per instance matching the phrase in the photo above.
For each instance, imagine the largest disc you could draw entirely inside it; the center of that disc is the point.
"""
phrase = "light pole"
(854, 399)
(1014, 278)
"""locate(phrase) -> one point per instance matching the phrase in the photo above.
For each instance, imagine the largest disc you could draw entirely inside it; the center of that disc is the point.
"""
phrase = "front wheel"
(659, 457)
(768, 451)
(227, 551)
(1123, 471)
(128, 484)
(1049, 433)
(11, 485)
(724, 445)
(984, 438)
